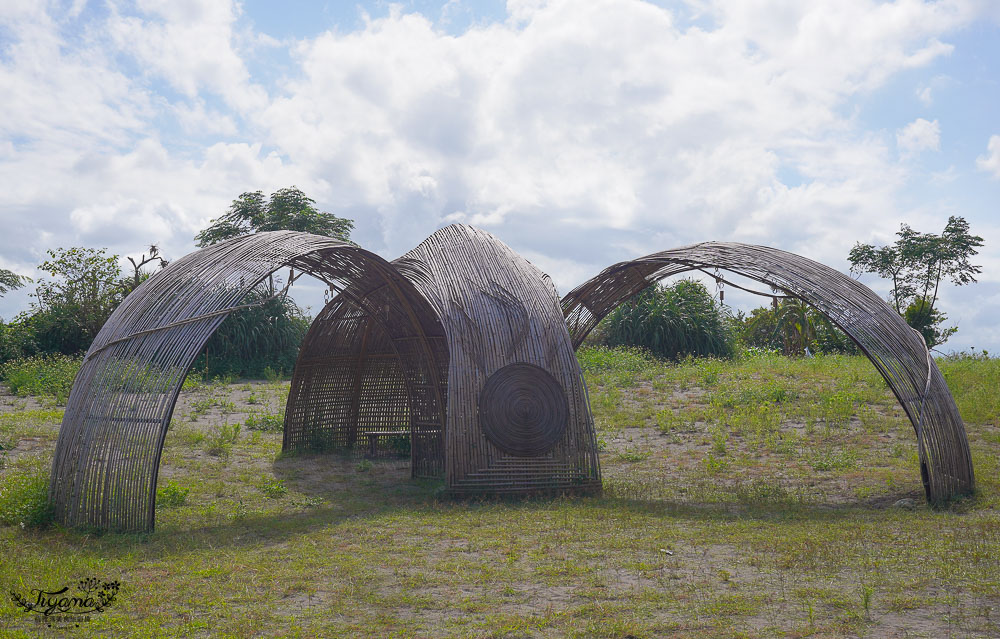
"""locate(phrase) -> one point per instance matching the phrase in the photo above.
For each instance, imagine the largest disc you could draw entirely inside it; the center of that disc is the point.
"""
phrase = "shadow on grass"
(341, 489)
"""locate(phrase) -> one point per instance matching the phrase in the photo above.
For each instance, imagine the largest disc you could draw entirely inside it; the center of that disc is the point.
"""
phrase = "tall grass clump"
(24, 493)
(672, 321)
(252, 340)
(41, 375)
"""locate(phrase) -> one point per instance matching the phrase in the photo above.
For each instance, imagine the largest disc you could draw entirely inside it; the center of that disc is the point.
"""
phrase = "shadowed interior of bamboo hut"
(367, 384)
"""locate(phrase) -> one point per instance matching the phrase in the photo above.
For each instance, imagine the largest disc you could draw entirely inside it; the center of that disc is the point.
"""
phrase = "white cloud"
(991, 161)
(581, 133)
(608, 115)
(191, 45)
(919, 135)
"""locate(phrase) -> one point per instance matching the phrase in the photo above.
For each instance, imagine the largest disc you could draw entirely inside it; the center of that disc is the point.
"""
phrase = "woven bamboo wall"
(511, 365)
(896, 350)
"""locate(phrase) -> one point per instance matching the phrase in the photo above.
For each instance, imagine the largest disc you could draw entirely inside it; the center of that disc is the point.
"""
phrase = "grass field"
(750, 498)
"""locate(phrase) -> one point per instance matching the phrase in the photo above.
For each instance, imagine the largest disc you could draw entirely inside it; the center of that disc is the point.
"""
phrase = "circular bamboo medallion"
(523, 410)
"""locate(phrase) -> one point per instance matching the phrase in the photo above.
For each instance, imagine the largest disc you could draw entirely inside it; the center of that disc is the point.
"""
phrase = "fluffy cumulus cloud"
(991, 161)
(919, 135)
(609, 116)
(582, 133)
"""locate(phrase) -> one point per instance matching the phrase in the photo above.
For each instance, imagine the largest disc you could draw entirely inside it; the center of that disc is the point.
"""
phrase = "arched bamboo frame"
(107, 457)
(897, 351)
(366, 369)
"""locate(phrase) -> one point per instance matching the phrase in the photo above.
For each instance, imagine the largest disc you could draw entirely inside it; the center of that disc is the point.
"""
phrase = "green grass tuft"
(24, 493)
(172, 495)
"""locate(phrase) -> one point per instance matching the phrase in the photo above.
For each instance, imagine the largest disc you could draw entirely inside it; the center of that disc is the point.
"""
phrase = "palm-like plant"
(672, 321)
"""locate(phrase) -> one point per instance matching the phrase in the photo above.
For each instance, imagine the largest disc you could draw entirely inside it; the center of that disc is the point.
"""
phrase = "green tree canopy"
(287, 209)
(10, 281)
(916, 263)
(72, 306)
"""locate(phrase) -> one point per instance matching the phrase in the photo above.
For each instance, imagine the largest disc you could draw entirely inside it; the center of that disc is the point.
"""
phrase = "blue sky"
(581, 133)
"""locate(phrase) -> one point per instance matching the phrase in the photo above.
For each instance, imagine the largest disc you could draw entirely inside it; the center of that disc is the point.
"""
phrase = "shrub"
(672, 321)
(41, 375)
(24, 494)
(791, 328)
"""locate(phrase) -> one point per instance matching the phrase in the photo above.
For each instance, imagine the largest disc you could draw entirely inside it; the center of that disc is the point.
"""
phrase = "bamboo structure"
(457, 350)
(517, 419)
(897, 351)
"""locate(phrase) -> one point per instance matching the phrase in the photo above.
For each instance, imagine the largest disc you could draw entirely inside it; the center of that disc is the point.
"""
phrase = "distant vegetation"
(684, 319)
(50, 375)
(41, 346)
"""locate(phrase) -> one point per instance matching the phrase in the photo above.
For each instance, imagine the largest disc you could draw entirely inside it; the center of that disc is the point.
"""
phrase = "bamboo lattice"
(402, 353)
(896, 350)
(494, 312)
(458, 347)
(108, 452)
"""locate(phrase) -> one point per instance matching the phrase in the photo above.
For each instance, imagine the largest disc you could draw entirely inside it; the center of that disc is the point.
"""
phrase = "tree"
(138, 275)
(268, 334)
(916, 263)
(928, 321)
(84, 287)
(286, 209)
(71, 308)
(10, 281)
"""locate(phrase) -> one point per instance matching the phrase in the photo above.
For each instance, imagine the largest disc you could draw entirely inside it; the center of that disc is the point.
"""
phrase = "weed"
(834, 459)
(220, 442)
(193, 381)
(364, 466)
(241, 511)
(171, 495)
(632, 456)
(866, 599)
(273, 487)
(265, 422)
(668, 421)
(715, 465)
(719, 438)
